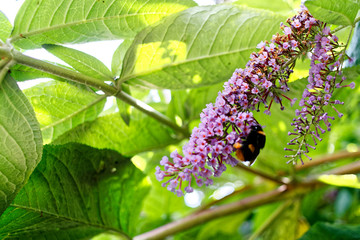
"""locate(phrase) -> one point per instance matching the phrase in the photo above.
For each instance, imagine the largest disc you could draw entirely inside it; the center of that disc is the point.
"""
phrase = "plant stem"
(109, 90)
(283, 192)
(328, 158)
(206, 215)
(259, 173)
(212, 203)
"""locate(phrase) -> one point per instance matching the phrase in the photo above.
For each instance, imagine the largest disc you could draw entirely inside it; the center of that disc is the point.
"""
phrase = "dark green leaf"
(76, 187)
(6, 27)
(333, 11)
(75, 21)
(328, 231)
(343, 202)
(81, 61)
(197, 47)
(21, 143)
(60, 107)
(143, 134)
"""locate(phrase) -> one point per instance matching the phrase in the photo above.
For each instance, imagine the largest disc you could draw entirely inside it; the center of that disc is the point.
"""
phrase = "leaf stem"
(109, 90)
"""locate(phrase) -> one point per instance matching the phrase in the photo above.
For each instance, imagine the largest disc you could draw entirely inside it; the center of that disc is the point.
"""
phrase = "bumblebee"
(250, 147)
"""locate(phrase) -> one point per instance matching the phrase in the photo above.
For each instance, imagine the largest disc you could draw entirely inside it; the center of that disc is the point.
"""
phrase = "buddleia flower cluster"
(226, 123)
(324, 77)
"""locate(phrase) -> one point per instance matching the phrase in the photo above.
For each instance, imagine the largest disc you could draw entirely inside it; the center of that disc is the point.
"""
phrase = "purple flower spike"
(264, 80)
(326, 63)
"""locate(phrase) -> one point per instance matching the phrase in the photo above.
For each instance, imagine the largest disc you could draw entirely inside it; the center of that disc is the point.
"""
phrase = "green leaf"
(79, 233)
(6, 27)
(118, 57)
(354, 47)
(226, 227)
(344, 199)
(23, 73)
(75, 21)
(188, 104)
(76, 187)
(152, 215)
(328, 231)
(197, 47)
(60, 106)
(279, 6)
(282, 224)
(124, 108)
(80, 61)
(347, 180)
(333, 11)
(21, 143)
(143, 134)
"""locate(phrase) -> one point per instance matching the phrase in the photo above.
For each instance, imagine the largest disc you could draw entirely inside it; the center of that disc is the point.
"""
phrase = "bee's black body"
(250, 147)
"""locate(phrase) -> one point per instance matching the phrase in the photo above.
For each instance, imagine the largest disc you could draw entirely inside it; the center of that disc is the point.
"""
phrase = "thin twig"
(206, 215)
(93, 82)
(260, 174)
(327, 159)
(350, 168)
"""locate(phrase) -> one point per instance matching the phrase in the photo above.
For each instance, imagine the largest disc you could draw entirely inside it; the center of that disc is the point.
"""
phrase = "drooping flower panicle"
(313, 118)
(225, 124)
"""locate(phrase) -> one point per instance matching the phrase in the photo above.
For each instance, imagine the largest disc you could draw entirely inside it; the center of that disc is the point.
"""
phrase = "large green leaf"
(333, 11)
(75, 21)
(354, 47)
(60, 107)
(81, 61)
(20, 144)
(283, 6)
(328, 231)
(197, 47)
(77, 188)
(118, 57)
(6, 27)
(143, 134)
